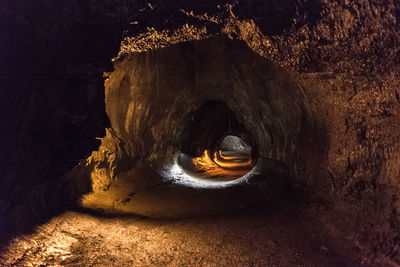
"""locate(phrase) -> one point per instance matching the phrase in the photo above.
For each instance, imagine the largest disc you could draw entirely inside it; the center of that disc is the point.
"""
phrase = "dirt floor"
(77, 238)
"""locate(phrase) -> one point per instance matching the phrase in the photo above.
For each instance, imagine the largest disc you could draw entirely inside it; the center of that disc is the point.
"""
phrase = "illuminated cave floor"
(79, 239)
(236, 165)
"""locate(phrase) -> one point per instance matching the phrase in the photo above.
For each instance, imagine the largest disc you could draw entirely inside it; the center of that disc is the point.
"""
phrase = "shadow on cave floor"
(285, 237)
(285, 233)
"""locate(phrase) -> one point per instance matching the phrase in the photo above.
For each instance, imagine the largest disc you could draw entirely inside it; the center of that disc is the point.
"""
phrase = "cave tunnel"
(169, 133)
(209, 148)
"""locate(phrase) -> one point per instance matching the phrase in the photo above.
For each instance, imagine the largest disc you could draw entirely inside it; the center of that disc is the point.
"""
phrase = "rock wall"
(149, 95)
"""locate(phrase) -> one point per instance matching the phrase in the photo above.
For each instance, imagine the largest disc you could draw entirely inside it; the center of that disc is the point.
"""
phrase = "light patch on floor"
(78, 239)
(175, 174)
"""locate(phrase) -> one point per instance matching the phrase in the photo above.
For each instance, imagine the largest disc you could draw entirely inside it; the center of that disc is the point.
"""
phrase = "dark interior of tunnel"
(229, 133)
(209, 125)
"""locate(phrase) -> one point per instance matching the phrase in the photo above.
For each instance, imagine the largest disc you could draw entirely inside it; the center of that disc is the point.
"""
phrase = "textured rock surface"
(149, 95)
(234, 143)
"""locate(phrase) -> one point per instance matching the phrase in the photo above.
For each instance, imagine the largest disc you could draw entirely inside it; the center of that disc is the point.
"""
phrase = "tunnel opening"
(216, 146)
